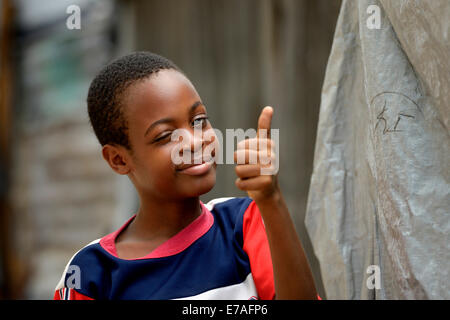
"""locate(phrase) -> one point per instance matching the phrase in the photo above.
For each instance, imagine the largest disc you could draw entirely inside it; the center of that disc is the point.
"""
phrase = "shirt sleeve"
(256, 245)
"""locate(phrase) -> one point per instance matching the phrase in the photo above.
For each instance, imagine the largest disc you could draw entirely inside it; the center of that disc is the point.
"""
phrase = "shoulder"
(231, 206)
(229, 214)
(80, 260)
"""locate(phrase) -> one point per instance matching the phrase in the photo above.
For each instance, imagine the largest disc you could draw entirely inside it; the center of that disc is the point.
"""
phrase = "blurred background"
(56, 192)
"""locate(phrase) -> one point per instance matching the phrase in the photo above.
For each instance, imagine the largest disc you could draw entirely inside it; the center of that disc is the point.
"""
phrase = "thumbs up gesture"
(255, 160)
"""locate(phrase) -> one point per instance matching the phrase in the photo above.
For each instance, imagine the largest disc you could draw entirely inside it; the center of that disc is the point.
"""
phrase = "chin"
(201, 185)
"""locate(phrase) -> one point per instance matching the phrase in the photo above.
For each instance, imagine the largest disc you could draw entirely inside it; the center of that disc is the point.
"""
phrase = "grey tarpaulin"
(380, 188)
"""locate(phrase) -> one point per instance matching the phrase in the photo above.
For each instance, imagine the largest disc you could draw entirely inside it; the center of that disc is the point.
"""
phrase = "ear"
(117, 158)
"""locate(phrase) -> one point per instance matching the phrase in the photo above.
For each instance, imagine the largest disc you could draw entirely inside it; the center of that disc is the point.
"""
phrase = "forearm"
(293, 278)
(292, 275)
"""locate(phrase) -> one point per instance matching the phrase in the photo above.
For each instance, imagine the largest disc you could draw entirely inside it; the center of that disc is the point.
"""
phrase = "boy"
(176, 247)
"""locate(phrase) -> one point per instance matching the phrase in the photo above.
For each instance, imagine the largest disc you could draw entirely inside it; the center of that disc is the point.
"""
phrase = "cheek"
(162, 164)
(156, 167)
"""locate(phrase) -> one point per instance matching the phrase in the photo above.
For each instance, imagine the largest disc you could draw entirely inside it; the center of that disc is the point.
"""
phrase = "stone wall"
(63, 196)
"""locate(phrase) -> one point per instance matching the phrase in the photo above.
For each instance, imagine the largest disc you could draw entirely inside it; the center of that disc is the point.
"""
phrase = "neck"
(163, 218)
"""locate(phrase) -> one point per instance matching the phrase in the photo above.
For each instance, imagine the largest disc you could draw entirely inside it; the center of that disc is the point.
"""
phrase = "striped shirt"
(223, 254)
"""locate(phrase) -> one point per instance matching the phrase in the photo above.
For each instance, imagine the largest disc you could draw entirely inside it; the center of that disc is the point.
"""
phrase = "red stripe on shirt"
(72, 295)
(257, 248)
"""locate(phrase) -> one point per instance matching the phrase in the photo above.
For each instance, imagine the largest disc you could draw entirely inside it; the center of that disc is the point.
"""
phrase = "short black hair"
(105, 96)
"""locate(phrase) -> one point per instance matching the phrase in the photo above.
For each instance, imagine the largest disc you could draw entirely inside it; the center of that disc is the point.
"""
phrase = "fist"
(255, 160)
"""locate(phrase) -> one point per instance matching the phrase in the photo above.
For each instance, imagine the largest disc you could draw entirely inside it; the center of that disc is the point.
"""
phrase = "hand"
(255, 160)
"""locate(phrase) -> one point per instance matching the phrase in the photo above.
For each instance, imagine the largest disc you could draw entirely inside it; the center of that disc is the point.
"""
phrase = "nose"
(193, 141)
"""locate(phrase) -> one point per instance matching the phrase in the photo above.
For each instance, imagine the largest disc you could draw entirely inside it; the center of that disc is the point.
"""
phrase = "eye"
(162, 136)
(200, 122)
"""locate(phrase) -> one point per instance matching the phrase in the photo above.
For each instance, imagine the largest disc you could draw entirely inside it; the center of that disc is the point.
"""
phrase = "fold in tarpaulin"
(379, 193)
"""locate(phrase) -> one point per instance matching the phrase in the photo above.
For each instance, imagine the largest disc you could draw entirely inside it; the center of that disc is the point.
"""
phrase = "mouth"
(196, 169)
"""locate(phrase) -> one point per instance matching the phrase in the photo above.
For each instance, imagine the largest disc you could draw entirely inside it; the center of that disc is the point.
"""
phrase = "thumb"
(264, 122)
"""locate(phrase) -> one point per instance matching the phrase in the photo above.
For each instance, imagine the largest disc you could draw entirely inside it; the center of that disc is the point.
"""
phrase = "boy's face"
(154, 108)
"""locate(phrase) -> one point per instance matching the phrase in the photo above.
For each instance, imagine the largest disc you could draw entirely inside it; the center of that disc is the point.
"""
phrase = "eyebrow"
(168, 120)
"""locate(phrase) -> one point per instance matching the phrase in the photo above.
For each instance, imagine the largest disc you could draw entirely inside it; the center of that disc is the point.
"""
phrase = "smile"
(197, 169)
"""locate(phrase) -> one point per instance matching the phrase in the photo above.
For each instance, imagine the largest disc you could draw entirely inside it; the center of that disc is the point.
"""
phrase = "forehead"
(162, 94)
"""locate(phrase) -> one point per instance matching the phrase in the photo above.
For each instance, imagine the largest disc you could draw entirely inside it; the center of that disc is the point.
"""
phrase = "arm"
(292, 275)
